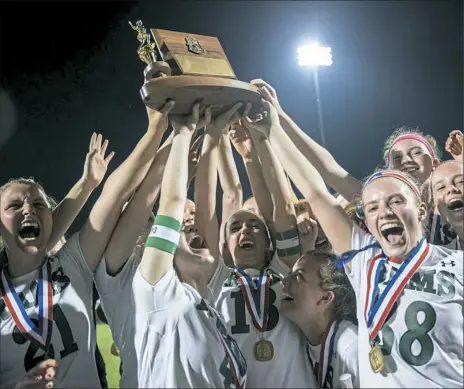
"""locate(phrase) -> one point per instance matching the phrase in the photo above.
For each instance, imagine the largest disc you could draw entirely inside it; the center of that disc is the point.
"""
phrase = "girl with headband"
(46, 307)
(180, 339)
(409, 293)
(248, 292)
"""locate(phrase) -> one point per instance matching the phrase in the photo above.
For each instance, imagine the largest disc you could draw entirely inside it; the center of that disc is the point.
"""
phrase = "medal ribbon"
(41, 335)
(256, 301)
(376, 311)
(239, 377)
(327, 347)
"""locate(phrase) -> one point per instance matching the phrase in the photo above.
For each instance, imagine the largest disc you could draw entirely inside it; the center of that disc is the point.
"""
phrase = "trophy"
(189, 68)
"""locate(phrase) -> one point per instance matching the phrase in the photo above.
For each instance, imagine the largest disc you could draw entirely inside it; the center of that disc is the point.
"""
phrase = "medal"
(376, 309)
(376, 358)
(39, 335)
(264, 350)
(257, 303)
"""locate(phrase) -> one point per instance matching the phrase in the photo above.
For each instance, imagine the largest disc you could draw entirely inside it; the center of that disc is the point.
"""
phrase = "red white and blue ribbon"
(256, 300)
(327, 350)
(377, 309)
(41, 334)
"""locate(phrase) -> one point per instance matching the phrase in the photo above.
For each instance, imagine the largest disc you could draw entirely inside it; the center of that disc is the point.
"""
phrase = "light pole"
(313, 56)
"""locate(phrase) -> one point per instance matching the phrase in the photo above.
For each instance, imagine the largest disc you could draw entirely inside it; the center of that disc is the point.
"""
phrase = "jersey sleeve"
(71, 255)
(279, 266)
(165, 294)
(217, 280)
(354, 268)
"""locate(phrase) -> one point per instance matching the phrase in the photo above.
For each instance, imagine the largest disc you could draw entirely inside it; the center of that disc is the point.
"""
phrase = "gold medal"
(376, 358)
(264, 350)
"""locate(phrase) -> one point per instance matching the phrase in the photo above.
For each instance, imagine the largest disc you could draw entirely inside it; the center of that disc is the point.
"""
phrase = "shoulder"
(347, 336)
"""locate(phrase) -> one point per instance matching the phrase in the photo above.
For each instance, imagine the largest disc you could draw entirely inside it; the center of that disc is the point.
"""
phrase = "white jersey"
(289, 367)
(180, 340)
(440, 232)
(344, 359)
(422, 339)
(73, 334)
(117, 302)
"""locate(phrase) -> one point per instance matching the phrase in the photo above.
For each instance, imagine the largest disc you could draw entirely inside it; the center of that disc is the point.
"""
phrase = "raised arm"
(95, 167)
(334, 221)
(206, 180)
(119, 186)
(288, 247)
(160, 248)
(324, 162)
(244, 145)
(136, 214)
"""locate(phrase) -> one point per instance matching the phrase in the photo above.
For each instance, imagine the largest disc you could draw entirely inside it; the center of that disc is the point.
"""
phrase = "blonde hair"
(405, 130)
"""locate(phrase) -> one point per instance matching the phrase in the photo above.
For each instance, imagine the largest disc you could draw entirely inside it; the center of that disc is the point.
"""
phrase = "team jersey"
(344, 358)
(73, 331)
(422, 338)
(117, 302)
(440, 232)
(180, 340)
(289, 367)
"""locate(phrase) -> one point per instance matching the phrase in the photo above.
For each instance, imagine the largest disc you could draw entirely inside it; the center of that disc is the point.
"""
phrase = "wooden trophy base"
(217, 92)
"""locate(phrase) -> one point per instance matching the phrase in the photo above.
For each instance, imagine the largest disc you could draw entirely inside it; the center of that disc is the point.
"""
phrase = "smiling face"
(26, 218)
(448, 192)
(393, 215)
(247, 240)
(411, 156)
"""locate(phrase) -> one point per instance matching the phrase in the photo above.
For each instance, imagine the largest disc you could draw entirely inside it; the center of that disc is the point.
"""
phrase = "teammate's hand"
(96, 164)
(191, 122)
(40, 376)
(241, 139)
(267, 92)
(158, 119)
(223, 121)
(264, 123)
(307, 232)
(194, 156)
(454, 145)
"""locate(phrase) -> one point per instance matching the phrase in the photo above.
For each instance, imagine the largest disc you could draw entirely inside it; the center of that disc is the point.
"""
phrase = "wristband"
(164, 234)
(288, 243)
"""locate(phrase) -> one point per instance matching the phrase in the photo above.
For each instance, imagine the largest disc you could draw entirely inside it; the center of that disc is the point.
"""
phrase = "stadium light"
(314, 55)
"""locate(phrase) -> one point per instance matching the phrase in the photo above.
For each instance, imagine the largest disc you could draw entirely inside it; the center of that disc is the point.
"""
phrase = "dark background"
(68, 69)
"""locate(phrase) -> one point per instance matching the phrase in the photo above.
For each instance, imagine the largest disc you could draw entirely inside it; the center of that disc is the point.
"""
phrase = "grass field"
(104, 341)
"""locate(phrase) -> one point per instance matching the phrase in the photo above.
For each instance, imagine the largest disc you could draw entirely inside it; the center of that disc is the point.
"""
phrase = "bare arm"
(95, 167)
(135, 216)
(206, 181)
(156, 262)
(323, 161)
(334, 221)
(232, 197)
(276, 181)
(244, 145)
(119, 186)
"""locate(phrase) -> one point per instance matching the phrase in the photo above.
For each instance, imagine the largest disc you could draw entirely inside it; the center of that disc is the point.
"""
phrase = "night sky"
(68, 69)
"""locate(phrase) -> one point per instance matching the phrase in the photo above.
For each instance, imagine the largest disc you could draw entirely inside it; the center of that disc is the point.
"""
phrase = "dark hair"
(335, 280)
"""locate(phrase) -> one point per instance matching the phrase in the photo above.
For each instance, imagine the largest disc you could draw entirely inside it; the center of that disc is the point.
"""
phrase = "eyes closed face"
(447, 191)
(26, 217)
(411, 156)
(246, 239)
(392, 215)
